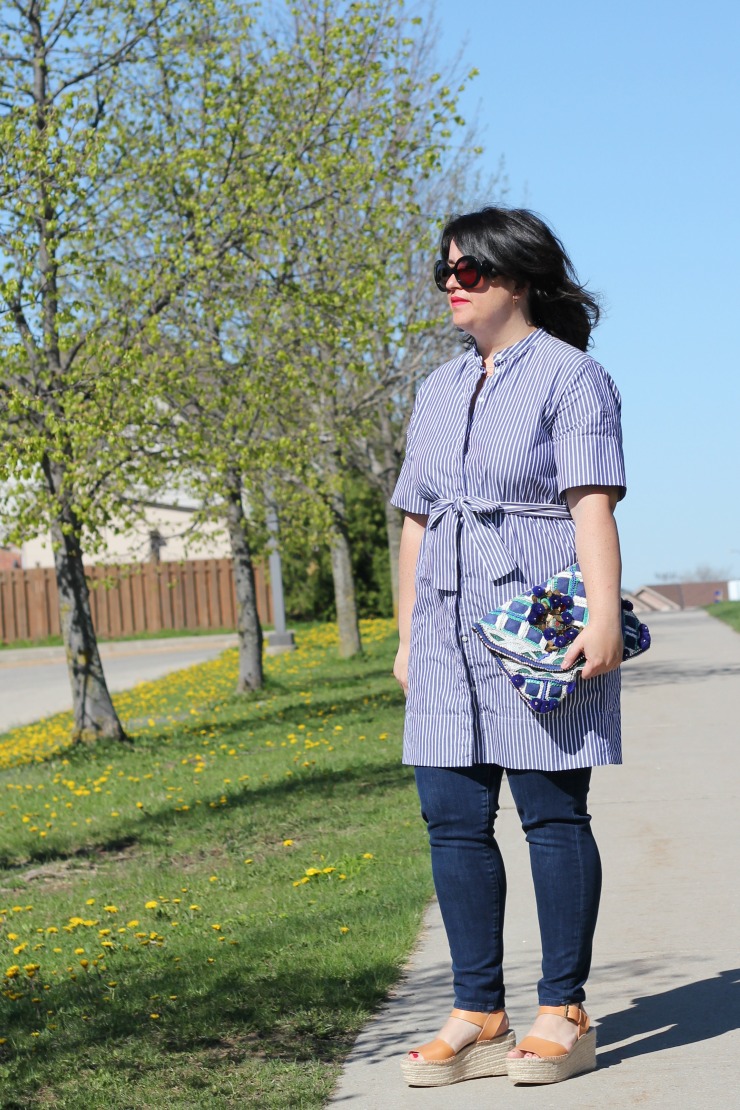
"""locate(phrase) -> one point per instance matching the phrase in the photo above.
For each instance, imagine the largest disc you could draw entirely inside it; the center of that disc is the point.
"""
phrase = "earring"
(515, 300)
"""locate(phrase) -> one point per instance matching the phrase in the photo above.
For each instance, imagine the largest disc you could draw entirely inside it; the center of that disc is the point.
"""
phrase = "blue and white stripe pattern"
(491, 477)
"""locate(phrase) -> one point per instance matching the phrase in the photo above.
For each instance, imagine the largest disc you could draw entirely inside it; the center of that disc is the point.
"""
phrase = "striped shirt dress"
(491, 472)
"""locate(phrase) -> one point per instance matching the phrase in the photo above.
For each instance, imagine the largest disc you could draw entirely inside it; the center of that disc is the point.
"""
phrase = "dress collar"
(512, 353)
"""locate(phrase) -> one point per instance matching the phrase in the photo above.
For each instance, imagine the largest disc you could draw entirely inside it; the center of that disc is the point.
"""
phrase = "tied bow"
(447, 515)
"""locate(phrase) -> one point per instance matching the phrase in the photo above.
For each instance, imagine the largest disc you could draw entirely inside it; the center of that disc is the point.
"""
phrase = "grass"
(727, 611)
(209, 917)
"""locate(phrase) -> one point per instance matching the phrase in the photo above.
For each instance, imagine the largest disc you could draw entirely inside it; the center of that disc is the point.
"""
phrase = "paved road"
(34, 681)
(664, 987)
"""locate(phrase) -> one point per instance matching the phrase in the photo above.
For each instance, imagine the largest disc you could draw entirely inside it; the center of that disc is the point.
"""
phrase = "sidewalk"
(34, 682)
(666, 965)
(28, 656)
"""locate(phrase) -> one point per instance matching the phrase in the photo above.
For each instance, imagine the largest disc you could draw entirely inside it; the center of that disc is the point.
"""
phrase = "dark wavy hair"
(518, 244)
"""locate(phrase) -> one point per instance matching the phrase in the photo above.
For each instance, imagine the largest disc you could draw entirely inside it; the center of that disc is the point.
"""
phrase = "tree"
(369, 311)
(65, 343)
(86, 275)
(319, 168)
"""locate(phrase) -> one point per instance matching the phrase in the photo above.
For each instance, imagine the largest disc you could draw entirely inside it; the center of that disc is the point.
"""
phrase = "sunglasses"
(467, 270)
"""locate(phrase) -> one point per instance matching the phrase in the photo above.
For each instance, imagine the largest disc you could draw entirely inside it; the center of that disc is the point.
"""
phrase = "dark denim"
(459, 805)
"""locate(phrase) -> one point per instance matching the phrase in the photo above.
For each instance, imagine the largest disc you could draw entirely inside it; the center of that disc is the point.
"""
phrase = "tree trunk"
(94, 715)
(344, 582)
(394, 527)
(248, 627)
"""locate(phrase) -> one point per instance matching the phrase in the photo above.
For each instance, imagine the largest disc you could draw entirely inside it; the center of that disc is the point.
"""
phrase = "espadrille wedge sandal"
(437, 1064)
(554, 1062)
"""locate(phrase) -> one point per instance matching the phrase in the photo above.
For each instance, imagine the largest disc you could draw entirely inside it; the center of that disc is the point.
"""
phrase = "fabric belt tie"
(446, 516)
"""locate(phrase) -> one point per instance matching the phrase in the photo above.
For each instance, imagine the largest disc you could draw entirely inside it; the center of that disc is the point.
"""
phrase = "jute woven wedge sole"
(478, 1060)
(554, 1069)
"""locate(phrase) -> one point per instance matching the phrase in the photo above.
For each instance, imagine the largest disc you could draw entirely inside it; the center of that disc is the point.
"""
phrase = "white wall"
(134, 546)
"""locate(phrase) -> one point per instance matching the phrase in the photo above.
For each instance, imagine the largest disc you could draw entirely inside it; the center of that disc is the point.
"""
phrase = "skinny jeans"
(459, 806)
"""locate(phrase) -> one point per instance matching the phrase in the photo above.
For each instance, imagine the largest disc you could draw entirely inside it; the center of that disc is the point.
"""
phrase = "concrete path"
(34, 682)
(664, 985)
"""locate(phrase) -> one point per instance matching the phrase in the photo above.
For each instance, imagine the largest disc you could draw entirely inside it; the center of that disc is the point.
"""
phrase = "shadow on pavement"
(693, 1012)
(667, 674)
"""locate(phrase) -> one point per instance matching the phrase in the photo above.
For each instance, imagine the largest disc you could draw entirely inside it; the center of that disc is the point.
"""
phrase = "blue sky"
(619, 122)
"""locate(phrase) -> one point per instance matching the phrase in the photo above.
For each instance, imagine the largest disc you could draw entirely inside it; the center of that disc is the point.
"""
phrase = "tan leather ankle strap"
(572, 1012)
(490, 1025)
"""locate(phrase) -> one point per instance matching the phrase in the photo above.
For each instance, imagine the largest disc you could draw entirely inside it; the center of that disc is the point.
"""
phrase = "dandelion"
(287, 844)
(12, 972)
(111, 909)
(213, 879)
(249, 861)
(368, 855)
(154, 1016)
(152, 905)
(344, 928)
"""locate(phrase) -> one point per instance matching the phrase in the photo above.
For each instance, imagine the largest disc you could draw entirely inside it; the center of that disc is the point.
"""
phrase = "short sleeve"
(405, 495)
(587, 432)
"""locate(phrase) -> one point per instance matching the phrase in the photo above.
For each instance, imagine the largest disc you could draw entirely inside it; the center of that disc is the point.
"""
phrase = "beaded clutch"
(531, 634)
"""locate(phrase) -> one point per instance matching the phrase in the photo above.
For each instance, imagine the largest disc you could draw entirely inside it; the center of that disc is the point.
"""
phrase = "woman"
(512, 472)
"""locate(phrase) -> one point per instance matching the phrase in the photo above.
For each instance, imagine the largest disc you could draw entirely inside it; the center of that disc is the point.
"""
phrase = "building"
(164, 534)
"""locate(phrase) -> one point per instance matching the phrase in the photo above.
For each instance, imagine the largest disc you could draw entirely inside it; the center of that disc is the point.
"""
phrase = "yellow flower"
(132, 924)
(151, 905)
(103, 932)
(368, 855)
(287, 843)
(328, 870)
(344, 928)
(216, 927)
(213, 879)
(111, 909)
(195, 907)
(249, 861)
(12, 972)
(79, 951)
(154, 1016)
(312, 871)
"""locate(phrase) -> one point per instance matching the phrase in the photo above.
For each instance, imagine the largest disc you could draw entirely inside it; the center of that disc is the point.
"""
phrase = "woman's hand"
(401, 668)
(601, 644)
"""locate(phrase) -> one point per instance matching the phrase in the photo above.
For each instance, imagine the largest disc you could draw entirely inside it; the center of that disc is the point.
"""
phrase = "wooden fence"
(126, 600)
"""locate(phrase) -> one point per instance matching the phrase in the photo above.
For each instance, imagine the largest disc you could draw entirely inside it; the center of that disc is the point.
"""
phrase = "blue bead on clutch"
(531, 634)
